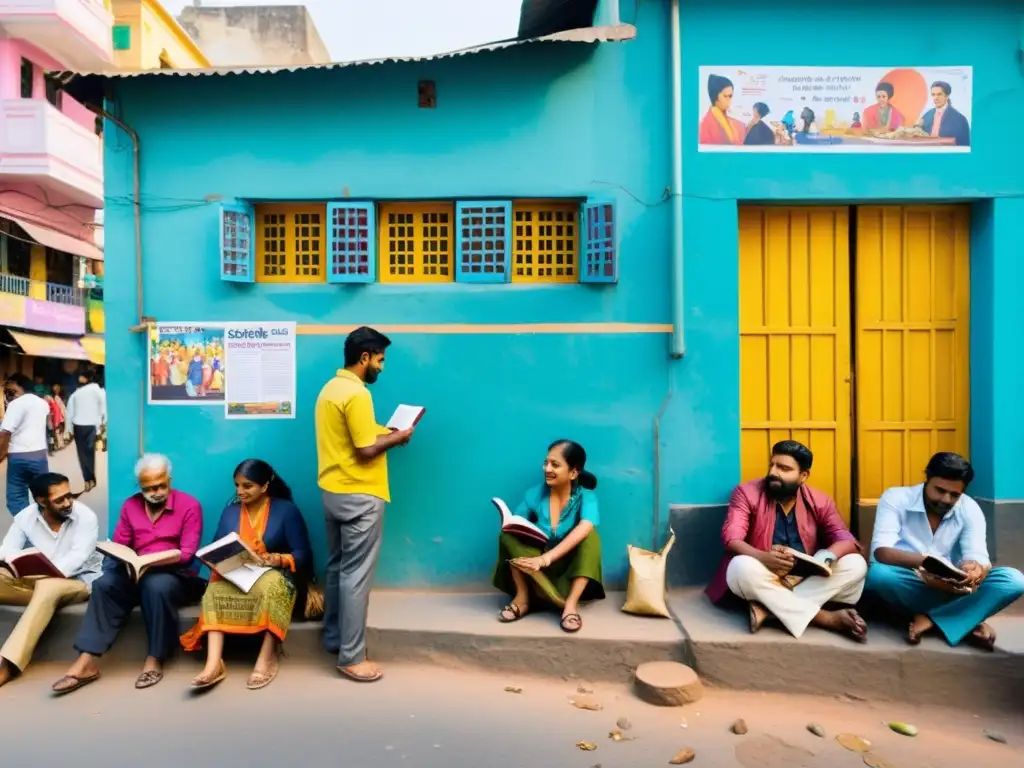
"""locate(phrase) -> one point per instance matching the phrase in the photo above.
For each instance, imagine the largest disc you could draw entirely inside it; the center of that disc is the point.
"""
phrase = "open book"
(942, 568)
(519, 525)
(138, 564)
(31, 562)
(806, 565)
(233, 561)
(405, 417)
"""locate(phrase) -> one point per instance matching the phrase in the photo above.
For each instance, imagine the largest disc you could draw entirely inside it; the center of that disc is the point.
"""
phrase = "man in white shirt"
(87, 412)
(63, 530)
(937, 518)
(23, 439)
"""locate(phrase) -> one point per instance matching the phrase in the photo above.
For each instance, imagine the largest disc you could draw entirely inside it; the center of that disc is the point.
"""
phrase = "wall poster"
(261, 357)
(835, 109)
(186, 364)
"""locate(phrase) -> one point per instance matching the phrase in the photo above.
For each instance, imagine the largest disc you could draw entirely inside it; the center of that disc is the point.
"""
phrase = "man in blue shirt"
(938, 519)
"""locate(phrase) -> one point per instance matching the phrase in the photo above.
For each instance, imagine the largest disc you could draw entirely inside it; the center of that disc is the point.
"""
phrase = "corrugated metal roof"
(611, 34)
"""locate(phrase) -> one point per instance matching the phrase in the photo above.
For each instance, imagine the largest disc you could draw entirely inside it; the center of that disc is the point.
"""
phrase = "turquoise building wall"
(536, 121)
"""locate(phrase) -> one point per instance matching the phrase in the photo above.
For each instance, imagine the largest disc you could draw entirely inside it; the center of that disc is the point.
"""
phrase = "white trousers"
(749, 579)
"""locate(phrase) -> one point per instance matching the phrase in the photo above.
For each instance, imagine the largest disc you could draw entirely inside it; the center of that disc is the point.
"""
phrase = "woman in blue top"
(568, 569)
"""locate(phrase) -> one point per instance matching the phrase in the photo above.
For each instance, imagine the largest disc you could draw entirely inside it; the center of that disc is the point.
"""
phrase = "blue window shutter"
(600, 242)
(483, 241)
(351, 243)
(237, 245)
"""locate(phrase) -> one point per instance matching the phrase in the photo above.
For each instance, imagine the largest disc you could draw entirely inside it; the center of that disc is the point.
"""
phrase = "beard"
(372, 375)
(778, 489)
(155, 500)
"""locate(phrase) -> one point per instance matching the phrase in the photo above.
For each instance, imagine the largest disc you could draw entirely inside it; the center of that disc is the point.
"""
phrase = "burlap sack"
(645, 592)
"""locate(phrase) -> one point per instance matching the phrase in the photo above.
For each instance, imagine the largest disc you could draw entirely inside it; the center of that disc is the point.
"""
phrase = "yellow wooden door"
(913, 345)
(795, 341)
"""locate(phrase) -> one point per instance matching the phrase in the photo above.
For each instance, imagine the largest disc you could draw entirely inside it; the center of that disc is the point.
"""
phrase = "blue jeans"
(956, 616)
(22, 468)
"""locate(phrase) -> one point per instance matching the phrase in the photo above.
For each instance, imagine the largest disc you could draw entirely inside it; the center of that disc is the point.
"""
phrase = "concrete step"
(459, 630)
(824, 663)
(447, 629)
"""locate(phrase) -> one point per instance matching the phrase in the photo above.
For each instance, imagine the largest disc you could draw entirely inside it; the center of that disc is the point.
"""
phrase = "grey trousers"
(354, 525)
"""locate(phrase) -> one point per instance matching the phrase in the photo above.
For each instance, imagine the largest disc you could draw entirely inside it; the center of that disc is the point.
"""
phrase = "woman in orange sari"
(265, 518)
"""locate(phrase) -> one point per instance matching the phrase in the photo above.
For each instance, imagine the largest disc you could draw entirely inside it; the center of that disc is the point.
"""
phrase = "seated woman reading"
(265, 518)
(568, 570)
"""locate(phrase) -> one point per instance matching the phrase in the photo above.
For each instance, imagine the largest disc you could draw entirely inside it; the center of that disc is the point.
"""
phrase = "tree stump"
(668, 684)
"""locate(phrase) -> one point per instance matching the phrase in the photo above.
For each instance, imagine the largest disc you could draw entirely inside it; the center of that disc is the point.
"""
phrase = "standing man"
(770, 516)
(23, 439)
(938, 518)
(65, 531)
(87, 413)
(353, 475)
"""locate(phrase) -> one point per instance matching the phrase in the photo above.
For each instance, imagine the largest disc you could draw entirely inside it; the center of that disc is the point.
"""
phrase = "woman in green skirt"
(568, 569)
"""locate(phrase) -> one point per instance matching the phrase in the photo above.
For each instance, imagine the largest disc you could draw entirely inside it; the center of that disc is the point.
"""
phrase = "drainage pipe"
(678, 342)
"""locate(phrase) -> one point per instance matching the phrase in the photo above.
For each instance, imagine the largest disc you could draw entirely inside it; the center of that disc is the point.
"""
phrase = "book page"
(117, 551)
(245, 576)
(404, 417)
(159, 558)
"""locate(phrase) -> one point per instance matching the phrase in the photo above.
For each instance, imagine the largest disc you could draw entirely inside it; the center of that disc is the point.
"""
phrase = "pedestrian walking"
(23, 439)
(87, 413)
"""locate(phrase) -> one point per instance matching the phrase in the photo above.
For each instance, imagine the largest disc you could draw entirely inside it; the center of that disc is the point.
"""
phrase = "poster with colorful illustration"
(835, 109)
(261, 357)
(186, 364)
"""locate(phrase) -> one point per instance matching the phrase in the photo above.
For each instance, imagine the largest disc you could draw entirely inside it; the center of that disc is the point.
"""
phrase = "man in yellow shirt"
(353, 477)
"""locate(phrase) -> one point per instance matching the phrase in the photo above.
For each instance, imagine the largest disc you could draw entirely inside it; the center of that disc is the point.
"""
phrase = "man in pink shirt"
(156, 519)
(771, 519)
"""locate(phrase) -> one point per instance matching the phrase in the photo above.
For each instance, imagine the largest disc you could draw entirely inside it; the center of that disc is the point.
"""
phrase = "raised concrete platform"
(460, 630)
(822, 662)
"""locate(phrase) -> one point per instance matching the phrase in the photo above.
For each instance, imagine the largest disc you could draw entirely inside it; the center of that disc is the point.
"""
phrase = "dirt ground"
(430, 717)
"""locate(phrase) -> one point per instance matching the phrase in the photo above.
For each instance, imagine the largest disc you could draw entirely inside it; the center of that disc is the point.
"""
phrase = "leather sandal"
(148, 679)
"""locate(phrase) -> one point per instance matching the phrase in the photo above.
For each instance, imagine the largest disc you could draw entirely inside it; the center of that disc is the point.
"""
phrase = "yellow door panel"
(913, 341)
(795, 341)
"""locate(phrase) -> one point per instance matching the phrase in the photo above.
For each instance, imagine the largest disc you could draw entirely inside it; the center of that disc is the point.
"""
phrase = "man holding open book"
(920, 532)
(353, 476)
(788, 552)
(48, 560)
(149, 563)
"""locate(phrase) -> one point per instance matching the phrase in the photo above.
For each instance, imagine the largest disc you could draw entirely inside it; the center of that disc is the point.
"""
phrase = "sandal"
(201, 684)
(259, 680)
(515, 610)
(567, 623)
(758, 616)
(148, 679)
(60, 688)
(361, 678)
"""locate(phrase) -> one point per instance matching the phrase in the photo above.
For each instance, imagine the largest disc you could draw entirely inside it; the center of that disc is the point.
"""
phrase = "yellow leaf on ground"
(683, 756)
(853, 742)
(586, 746)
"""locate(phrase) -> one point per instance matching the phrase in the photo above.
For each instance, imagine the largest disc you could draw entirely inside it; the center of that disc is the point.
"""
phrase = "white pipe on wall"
(678, 341)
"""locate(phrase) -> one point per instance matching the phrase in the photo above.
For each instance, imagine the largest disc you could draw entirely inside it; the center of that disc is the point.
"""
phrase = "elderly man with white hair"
(156, 519)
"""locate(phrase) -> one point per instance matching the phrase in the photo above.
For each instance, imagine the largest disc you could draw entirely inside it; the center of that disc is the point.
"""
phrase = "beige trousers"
(749, 579)
(41, 598)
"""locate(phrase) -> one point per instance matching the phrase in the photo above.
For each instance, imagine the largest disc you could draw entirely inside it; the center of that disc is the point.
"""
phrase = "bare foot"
(515, 610)
(82, 672)
(984, 637)
(919, 627)
(845, 621)
(758, 616)
(6, 673)
(363, 672)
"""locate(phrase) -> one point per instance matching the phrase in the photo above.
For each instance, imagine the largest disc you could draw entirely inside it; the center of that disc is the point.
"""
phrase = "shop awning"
(59, 241)
(96, 348)
(38, 345)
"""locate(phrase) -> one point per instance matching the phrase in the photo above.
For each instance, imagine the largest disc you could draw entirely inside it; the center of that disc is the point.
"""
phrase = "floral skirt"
(225, 608)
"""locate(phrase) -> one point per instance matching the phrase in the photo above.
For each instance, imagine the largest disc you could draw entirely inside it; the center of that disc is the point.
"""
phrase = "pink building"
(51, 180)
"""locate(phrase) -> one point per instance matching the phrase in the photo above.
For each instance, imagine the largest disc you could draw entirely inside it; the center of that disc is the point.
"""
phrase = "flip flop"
(758, 616)
(515, 610)
(568, 628)
(203, 685)
(148, 679)
(78, 682)
(361, 678)
(258, 681)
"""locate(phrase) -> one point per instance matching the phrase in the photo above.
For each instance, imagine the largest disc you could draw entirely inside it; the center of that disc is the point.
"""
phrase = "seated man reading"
(771, 516)
(63, 530)
(938, 518)
(158, 519)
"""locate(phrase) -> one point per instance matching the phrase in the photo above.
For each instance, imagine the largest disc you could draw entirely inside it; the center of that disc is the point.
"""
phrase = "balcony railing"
(36, 289)
(76, 33)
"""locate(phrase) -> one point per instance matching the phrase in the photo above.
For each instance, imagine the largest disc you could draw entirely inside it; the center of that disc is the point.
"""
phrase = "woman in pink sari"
(717, 127)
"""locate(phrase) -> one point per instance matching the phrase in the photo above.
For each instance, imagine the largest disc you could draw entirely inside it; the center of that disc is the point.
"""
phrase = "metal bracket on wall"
(145, 325)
